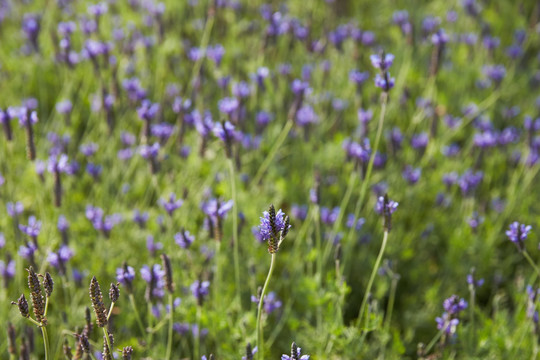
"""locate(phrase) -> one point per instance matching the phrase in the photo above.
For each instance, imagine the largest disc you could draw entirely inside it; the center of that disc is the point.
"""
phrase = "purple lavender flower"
(454, 305)
(518, 233)
(228, 105)
(148, 110)
(352, 222)
(297, 211)
(2, 241)
(469, 181)
(155, 280)
(329, 216)
(27, 251)
(382, 62)
(447, 323)
(171, 204)
(420, 141)
(140, 218)
(89, 149)
(125, 275)
(357, 77)
(33, 228)
(149, 151)
(306, 116)
(225, 132)
(7, 271)
(59, 259)
(270, 302)
(184, 239)
(14, 209)
(200, 290)
(411, 174)
(94, 170)
(152, 246)
(296, 353)
(495, 73)
(64, 107)
(381, 207)
(270, 229)
(216, 53)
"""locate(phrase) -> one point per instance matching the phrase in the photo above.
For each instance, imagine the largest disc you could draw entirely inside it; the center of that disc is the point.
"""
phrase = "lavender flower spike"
(518, 233)
(274, 228)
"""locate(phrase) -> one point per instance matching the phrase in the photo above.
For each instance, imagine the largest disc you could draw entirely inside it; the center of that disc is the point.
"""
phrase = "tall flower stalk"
(385, 207)
(274, 228)
(39, 306)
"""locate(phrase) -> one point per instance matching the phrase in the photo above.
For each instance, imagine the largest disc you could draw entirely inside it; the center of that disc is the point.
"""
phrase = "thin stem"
(149, 333)
(106, 333)
(45, 341)
(197, 344)
(136, 312)
(433, 341)
(530, 260)
(268, 160)
(260, 344)
(390, 307)
(318, 243)
(235, 229)
(110, 310)
(170, 334)
(46, 306)
(371, 279)
(472, 301)
(365, 181)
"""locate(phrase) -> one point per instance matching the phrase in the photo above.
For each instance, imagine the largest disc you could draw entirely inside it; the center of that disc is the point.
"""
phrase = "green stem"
(106, 333)
(136, 312)
(235, 230)
(268, 160)
(472, 301)
(150, 324)
(45, 341)
(110, 311)
(530, 260)
(319, 262)
(371, 279)
(260, 344)
(197, 349)
(170, 334)
(390, 307)
(365, 182)
(433, 341)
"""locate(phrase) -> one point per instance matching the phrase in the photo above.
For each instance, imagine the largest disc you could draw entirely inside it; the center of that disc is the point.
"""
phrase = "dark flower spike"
(114, 292)
(67, 350)
(97, 303)
(169, 284)
(249, 352)
(274, 228)
(107, 355)
(294, 351)
(22, 303)
(36, 296)
(48, 284)
(12, 345)
(126, 353)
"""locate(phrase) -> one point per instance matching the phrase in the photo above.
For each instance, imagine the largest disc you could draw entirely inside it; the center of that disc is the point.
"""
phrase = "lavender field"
(232, 179)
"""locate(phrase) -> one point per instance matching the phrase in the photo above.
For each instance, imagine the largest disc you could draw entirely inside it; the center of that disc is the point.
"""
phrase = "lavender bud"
(126, 353)
(67, 350)
(12, 345)
(36, 296)
(114, 292)
(97, 303)
(169, 284)
(23, 306)
(48, 284)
